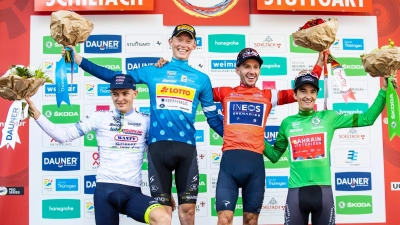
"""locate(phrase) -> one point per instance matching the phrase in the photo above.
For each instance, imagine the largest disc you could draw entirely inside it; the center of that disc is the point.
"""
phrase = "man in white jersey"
(121, 137)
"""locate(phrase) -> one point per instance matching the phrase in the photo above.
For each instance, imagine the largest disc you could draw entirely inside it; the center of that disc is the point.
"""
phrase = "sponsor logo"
(202, 159)
(63, 115)
(353, 135)
(144, 43)
(125, 138)
(395, 186)
(199, 42)
(103, 44)
(200, 117)
(268, 43)
(61, 209)
(298, 49)
(50, 46)
(352, 67)
(353, 181)
(350, 108)
(352, 158)
(226, 43)
(199, 136)
(66, 184)
(103, 90)
(276, 182)
(139, 62)
(354, 204)
(353, 44)
(274, 206)
(60, 161)
(198, 64)
(175, 91)
(145, 110)
(143, 91)
(11, 191)
(308, 147)
(222, 66)
(274, 66)
(359, 88)
(50, 90)
(92, 160)
(246, 113)
(89, 209)
(271, 133)
(90, 184)
(109, 63)
(238, 209)
(300, 64)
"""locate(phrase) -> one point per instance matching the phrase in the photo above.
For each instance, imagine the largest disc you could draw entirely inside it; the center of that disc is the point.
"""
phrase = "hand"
(161, 62)
(321, 57)
(385, 81)
(36, 113)
(77, 57)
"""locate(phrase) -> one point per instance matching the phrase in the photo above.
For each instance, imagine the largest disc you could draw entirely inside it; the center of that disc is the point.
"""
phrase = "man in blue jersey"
(175, 92)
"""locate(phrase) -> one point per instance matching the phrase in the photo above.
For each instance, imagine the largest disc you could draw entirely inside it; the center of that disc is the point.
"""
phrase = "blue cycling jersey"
(175, 92)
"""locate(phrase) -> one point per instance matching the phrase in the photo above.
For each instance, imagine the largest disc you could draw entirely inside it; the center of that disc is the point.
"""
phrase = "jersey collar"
(306, 113)
(179, 61)
(126, 114)
(243, 85)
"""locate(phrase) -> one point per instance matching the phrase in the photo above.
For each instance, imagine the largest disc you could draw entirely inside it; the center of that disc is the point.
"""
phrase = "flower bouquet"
(67, 28)
(319, 35)
(385, 62)
(16, 84)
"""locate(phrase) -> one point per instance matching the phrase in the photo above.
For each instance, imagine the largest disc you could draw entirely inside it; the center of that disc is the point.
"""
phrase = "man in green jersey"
(307, 136)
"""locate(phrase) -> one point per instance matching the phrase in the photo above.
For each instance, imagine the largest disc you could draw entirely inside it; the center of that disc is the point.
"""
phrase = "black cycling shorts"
(317, 200)
(163, 158)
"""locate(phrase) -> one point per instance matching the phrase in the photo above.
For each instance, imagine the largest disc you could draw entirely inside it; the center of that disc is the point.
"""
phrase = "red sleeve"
(219, 93)
(286, 97)
(317, 70)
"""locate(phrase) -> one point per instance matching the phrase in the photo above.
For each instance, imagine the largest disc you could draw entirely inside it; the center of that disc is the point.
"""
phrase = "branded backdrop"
(63, 175)
(15, 29)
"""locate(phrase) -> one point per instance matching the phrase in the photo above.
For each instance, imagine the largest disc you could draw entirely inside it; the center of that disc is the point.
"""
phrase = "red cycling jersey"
(246, 110)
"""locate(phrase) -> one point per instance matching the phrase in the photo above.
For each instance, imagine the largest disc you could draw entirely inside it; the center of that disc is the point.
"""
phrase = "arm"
(210, 109)
(219, 93)
(319, 64)
(365, 119)
(274, 153)
(280, 97)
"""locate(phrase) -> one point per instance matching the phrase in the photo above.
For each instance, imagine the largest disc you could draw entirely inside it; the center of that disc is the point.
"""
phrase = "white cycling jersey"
(121, 140)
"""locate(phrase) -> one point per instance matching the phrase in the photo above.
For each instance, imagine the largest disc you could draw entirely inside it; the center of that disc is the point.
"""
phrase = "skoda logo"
(48, 114)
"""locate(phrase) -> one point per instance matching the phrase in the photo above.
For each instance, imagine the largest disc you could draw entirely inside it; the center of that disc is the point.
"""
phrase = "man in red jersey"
(246, 109)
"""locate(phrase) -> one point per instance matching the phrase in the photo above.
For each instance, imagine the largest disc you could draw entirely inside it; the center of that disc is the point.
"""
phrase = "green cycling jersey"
(308, 135)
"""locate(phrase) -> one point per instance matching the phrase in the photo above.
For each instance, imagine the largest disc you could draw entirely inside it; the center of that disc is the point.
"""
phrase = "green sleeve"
(274, 153)
(361, 120)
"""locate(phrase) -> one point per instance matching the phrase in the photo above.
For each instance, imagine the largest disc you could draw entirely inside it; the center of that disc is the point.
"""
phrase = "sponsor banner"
(210, 13)
(358, 87)
(107, 62)
(353, 44)
(12, 191)
(271, 133)
(273, 205)
(103, 44)
(61, 209)
(248, 113)
(215, 139)
(213, 183)
(144, 43)
(174, 97)
(350, 108)
(202, 159)
(139, 62)
(222, 66)
(274, 66)
(60, 185)
(354, 204)
(49, 67)
(352, 158)
(92, 160)
(352, 67)
(96, 90)
(63, 114)
(353, 181)
(50, 46)
(215, 158)
(61, 161)
(308, 147)
(269, 42)
(312, 5)
(226, 43)
(50, 90)
(276, 182)
(118, 5)
(359, 135)
(52, 143)
(395, 186)
(200, 136)
(298, 49)
(298, 64)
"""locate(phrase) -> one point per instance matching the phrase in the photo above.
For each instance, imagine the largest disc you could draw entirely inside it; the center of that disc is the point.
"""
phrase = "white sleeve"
(67, 134)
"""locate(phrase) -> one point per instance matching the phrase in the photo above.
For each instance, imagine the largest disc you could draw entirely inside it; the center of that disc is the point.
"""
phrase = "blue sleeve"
(140, 76)
(209, 108)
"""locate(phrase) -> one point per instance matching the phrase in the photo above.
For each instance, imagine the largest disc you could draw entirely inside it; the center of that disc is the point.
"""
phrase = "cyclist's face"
(306, 96)
(182, 45)
(123, 99)
(249, 71)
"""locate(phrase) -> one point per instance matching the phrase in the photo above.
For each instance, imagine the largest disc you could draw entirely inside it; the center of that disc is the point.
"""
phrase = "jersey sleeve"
(280, 97)
(317, 70)
(140, 75)
(275, 152)
(360, 120)
(67, 134)
(209, 107)
(219, 93)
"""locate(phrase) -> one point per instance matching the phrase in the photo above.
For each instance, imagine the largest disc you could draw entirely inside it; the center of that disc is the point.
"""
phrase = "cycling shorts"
(317, 200)
(241, 169)
(112, 199)
(163, 158)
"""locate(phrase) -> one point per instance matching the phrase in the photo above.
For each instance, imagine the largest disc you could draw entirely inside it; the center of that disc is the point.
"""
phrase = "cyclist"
(119, 176)
(308, 136)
